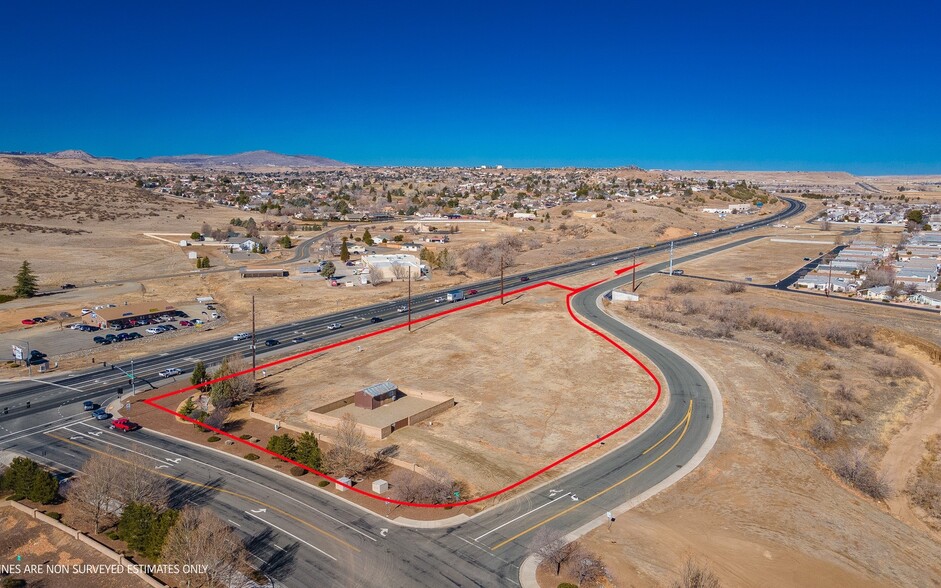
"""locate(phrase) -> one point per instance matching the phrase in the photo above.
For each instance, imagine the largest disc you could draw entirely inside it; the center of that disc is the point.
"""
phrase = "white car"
(76, 327)
(86, 311)
(439, 299)
(170, 372)
(241, 336)
(334, 326)
(154, 330)
(214, 315)
(402, 308)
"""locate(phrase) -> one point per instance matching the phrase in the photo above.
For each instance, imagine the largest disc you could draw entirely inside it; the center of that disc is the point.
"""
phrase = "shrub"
(568, 585)
(323, 483)
(897, 368)
(798, 332)
(54, 515)
(252, 456)
(845, 394)
(847, 412)
(854, 467)
(733, 287)
(114, 536)
(838, 336)
(681, 287)
(297, 471)
(245, 436)
(213, 439)
(823, 431)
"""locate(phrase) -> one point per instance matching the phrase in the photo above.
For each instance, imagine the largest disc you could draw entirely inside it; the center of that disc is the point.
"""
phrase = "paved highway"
(299, 536)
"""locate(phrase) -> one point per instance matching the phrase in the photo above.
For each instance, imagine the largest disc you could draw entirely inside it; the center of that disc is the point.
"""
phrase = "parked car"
(214, 315)
(134, 336)
(98, 339)
(154, 330)
(38, 319)
(76, 326)
(168, 328)
(350, 264)
(334, 326)
(186, 324)
(271, 342)
(86, 311)
(806, 259)
(49, 317)
(88, 405)
(67, 286)
(376, 319)
(122, 337)
(28, 322)
(123, 425)
(210, 307)
(238, 337)
(677, 272)
(170, 372)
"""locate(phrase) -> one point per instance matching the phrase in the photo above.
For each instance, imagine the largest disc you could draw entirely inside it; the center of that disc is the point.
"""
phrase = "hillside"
(247, 159)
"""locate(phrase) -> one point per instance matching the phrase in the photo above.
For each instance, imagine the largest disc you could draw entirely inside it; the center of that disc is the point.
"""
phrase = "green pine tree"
(367, 238)
(188, 407)
(19, 476)
(308, 451)
(25, 282)
(344, 251)
(283, 445)
(199, 375)
(43, 488)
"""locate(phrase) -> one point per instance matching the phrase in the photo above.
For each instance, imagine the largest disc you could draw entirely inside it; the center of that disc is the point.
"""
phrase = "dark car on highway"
(376, 319)
(271, 342)
(524, 279)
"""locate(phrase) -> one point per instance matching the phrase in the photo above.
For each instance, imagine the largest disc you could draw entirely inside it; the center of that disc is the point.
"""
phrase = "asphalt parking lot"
(55, 340)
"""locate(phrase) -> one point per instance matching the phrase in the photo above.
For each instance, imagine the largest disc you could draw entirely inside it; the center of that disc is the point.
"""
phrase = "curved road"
(298, 534)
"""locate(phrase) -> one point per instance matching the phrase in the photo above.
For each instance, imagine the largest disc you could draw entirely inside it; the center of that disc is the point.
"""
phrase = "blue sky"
(742, 85)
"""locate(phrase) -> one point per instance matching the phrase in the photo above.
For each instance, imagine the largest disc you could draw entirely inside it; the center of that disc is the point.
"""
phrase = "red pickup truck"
(123, 425)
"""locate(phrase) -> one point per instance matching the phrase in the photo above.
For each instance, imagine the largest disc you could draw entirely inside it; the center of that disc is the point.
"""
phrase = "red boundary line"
(568, 303)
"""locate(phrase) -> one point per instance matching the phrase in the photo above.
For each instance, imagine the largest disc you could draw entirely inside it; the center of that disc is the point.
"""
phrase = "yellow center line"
(222, 490)
(673, 430)
(685, 420)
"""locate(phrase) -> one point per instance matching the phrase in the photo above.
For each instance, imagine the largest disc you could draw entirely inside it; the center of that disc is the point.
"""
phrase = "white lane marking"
(43, 425)
(233, 474)
(234, 523)
(521, 516)
(38, 432)
(55, 384)
(314, 547)
(488, 552)
(112, 444)
(58, 463)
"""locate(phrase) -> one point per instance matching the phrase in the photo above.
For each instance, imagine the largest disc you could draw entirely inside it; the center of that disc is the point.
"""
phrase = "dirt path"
(906, 449)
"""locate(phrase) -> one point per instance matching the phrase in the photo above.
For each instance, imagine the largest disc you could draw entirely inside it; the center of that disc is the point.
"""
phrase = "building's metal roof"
(380, 389)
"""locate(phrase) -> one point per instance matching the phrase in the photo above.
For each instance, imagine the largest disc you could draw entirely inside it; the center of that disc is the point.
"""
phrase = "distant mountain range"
(247, 159)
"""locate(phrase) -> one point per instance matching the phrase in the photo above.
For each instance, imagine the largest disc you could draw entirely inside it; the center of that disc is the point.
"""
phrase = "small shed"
(380, 486)
(372, 397)
(343, 480)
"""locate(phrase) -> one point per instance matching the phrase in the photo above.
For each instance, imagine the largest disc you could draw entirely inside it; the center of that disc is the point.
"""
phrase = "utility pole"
(253, 336)
(671, 258)
(409, 299)
(133, 383)
(829, 276)
(634, 274)
(29, 361)
(501, 281)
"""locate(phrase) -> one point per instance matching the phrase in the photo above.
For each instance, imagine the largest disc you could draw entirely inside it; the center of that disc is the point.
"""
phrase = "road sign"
(17, 352)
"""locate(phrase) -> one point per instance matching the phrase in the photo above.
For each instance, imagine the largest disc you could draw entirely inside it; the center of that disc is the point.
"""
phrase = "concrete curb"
(527, 574)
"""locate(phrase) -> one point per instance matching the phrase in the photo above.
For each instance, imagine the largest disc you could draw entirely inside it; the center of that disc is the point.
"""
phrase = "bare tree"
(348, 456)
(93, 493)
(589, 570)
(331, 242)
(135, 480)
(400, 271)
(696, 576)
(549, 546)
(199, 538)
(439, 487)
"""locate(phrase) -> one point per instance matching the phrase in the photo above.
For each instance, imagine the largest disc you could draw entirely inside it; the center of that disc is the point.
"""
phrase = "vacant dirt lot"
(766, 507)
(518, 373)
(38, 543)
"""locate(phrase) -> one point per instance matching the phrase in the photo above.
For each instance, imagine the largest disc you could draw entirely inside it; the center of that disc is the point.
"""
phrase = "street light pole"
(253, 336)
(501, 281)
(671, 258)
(409, 299)
(133, 383)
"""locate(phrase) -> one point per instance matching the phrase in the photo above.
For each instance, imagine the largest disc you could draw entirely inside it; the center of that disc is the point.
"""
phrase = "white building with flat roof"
(390, 268)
